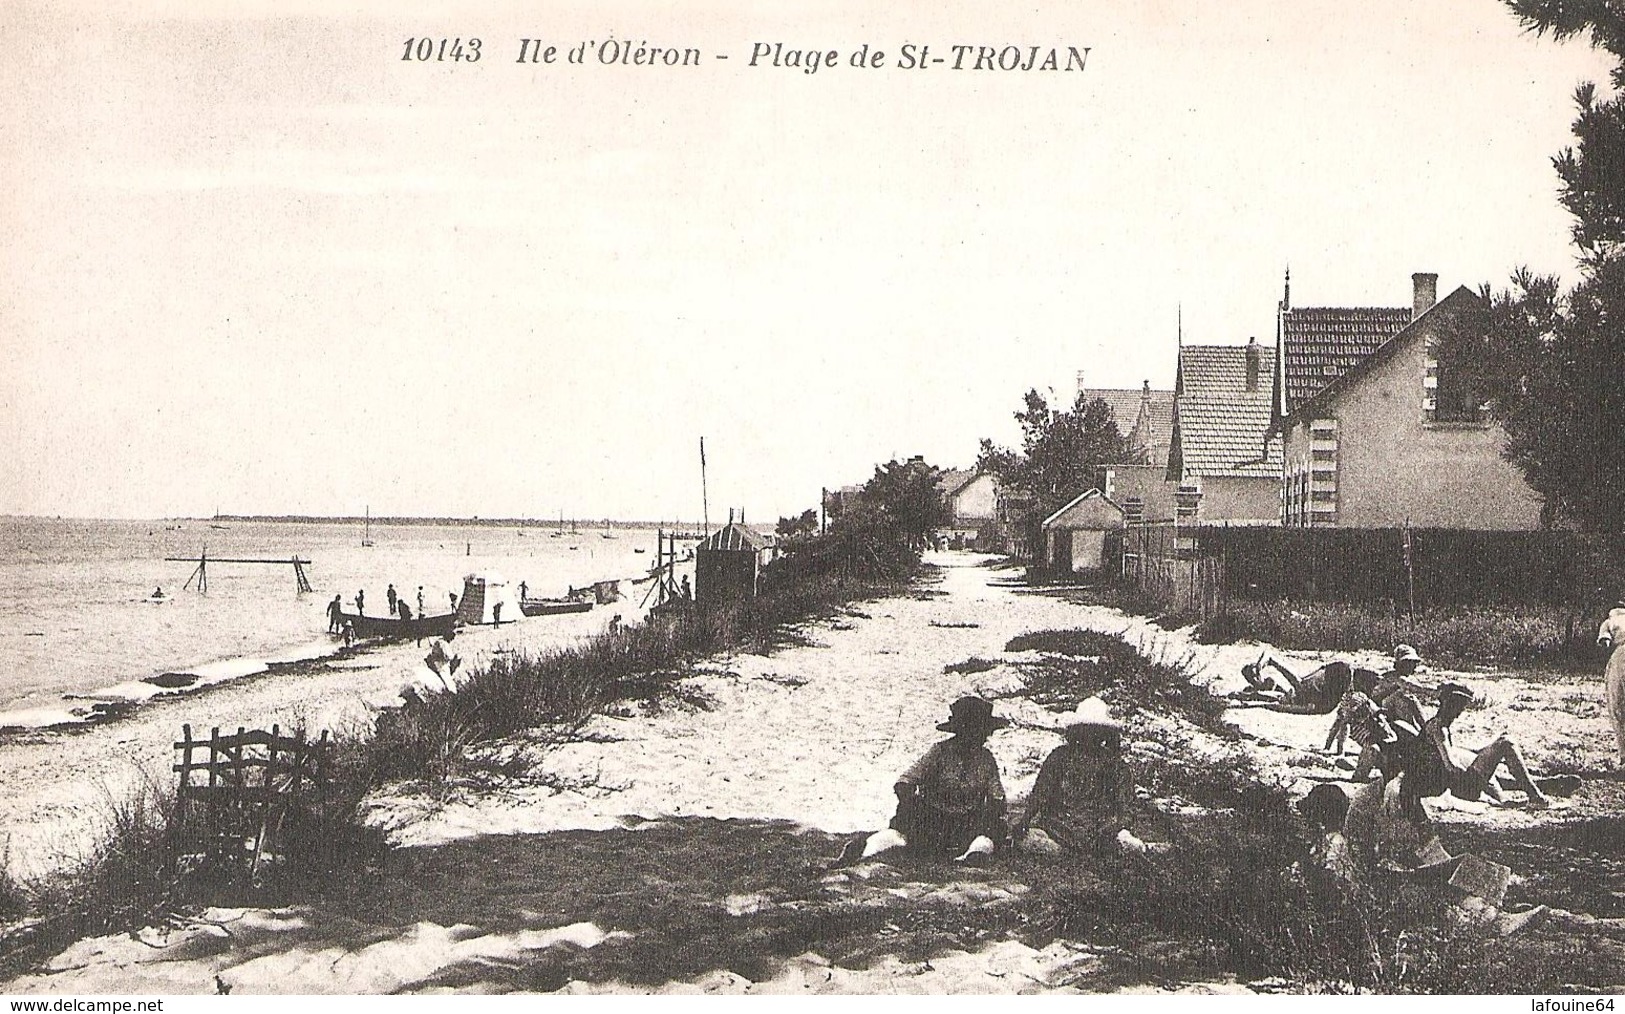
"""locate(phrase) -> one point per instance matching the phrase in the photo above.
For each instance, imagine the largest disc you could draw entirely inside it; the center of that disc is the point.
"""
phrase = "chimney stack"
(1424, 292)
(1252, 364)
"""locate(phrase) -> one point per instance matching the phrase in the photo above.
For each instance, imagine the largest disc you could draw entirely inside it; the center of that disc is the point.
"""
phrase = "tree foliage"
(801, 526)
(1552, 364)
(879, 533)
(1061, 451)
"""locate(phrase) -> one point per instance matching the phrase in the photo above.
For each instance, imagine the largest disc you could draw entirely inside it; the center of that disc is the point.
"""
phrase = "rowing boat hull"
(394, 628)
(552, 607)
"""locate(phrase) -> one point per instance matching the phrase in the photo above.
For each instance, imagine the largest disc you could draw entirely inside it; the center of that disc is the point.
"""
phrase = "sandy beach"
(711, 813)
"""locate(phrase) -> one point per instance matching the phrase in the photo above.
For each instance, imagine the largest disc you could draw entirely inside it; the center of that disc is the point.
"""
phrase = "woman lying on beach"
(951, 802)
(1081, 800)
(1315, 694)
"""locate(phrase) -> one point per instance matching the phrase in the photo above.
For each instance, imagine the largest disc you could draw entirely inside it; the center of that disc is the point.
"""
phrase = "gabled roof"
(1452, 303)
(1321, 343)
(953, 480)
(1126, 405)
(1220, 425)
(734, 537)
(1105, 507)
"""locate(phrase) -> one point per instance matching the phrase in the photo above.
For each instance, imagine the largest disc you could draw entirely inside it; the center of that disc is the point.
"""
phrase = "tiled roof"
(952, 480)
(1125, 405)
(1321, 343)
(1221, 423)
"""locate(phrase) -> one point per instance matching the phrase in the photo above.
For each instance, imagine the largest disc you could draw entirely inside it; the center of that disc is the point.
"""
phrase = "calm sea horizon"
(77, 612)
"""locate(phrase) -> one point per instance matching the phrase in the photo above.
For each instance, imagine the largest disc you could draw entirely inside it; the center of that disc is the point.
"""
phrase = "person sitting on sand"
(1383, 833)
(1397, 680)
(950, 803)
(1439, 763)
(1318, 693)
(1394, 691)
(1081, 799)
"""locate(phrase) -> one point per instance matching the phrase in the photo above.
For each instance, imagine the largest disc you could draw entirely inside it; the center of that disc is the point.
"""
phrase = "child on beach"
(1081, 799)
(950, 803)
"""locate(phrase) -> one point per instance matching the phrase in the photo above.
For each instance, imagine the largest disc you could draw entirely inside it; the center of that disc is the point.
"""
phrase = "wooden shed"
(1075, 537)
(727, 565)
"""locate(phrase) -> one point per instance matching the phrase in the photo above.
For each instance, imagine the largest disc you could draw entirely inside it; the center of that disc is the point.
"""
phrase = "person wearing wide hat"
(950, 803)
(1470, 774)
(1084, 791)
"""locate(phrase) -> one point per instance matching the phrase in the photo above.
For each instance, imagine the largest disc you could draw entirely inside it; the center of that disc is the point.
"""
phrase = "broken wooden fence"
(235, 791)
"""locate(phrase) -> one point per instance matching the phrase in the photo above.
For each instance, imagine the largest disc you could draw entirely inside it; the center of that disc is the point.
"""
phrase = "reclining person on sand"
(951, 802)
(1315, 694)
(1081, 799)
(1468, 775)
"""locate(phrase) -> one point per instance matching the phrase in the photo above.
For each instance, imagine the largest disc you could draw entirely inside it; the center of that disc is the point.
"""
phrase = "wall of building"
(1240, 500)
(1148, 483)
(977, 502)
(1386, 465)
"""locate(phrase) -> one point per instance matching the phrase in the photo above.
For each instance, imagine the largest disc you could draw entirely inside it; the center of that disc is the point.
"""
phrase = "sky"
(256, 262)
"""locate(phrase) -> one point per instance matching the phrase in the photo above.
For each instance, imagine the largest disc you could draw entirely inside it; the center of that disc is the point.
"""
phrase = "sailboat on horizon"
(366, 531)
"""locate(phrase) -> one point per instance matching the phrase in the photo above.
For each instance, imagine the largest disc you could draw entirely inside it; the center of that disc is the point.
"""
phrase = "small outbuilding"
(1076, 536)
(488, 599)
(728, 564)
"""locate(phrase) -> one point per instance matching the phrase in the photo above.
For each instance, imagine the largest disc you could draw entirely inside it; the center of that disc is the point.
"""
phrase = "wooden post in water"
(200, 573)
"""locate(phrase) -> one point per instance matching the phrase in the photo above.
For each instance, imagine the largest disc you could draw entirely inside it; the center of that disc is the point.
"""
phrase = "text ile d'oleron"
(770, 55)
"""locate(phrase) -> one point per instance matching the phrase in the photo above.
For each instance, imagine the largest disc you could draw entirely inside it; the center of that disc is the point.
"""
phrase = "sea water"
(77, 612)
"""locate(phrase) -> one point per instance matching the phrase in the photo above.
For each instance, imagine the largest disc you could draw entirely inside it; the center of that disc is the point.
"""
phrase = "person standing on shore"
(334, 612)
(361, 602)
(1611, 636)
(420, 600)
(523, 589)
(390, 598)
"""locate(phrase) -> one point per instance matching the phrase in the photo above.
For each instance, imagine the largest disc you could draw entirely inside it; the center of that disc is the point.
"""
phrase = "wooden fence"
(235, 791)
(1198, 568)
(1163, 559)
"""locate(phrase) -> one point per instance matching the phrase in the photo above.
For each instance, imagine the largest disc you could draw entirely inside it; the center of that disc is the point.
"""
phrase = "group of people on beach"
(1394, 698)
(398, 607)
(951, 802)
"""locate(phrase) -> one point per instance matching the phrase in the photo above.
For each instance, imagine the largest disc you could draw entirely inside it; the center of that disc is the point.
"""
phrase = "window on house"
(1456, 398)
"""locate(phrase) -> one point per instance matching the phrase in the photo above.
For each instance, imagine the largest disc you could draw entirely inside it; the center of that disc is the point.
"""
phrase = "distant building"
(972, 498)
(1075, 537)
(836, 502)
(1144, 417)
(1377, 432)
(727, 565)
(1222, 460)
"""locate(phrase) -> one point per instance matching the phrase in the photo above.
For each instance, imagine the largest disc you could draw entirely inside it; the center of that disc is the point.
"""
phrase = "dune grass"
(1243, 890)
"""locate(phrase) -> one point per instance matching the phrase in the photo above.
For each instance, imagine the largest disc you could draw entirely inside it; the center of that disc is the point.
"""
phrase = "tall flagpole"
(705, 500)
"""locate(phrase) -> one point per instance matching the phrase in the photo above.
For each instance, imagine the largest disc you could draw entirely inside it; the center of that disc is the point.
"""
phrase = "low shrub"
(1451, 634)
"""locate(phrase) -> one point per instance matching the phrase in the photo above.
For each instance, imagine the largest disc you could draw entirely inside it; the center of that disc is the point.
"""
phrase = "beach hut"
(487, 599)
(727, 565)
(1075, 537)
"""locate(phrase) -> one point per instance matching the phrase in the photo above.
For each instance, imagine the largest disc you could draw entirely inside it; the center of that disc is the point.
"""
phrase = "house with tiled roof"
(972, 498)
(1221, 455)
(1145, 418)
(1376, 433)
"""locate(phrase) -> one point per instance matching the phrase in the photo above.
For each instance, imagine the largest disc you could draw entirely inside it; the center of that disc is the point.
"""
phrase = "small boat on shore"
(395, 628)
(553, 607)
